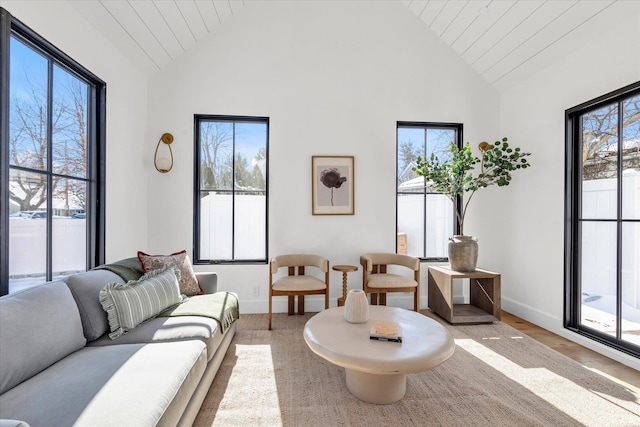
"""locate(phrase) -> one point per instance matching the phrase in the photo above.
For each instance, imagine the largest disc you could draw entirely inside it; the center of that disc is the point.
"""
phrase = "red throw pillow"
(188, 281)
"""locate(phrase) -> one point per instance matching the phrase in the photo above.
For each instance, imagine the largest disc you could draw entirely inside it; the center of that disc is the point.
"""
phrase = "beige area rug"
(496, 377)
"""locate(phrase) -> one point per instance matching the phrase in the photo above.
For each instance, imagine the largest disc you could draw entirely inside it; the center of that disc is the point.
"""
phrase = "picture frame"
(332, 185)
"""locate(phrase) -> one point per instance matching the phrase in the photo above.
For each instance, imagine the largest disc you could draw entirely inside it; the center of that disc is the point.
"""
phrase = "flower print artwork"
(331, 179)
(332, 190)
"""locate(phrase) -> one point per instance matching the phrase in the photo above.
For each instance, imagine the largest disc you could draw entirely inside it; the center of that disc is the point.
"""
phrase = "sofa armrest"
(208, 281)
(13, 423)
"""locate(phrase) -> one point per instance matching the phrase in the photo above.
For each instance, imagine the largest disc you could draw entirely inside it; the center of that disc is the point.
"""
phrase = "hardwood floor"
(613, 370)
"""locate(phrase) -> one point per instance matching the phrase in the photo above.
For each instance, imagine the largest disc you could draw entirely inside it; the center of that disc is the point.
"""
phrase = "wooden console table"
(484, 289)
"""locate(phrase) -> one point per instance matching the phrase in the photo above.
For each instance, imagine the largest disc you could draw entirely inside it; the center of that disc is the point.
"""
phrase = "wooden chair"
(297, 283)
(377, 282)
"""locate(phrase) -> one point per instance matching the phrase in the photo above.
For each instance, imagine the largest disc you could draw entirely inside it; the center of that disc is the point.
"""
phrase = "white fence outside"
(599, 239)
(216, 231)
(27, 246)
(439, 224)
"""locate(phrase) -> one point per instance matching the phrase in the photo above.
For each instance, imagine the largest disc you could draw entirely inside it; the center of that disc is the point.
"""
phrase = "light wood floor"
(596, 362)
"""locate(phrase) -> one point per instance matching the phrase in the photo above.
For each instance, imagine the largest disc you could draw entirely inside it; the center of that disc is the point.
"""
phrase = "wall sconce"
(162, 163)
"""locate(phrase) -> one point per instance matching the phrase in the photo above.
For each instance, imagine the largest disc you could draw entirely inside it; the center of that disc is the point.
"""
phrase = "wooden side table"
(344, 269)
(484, 289)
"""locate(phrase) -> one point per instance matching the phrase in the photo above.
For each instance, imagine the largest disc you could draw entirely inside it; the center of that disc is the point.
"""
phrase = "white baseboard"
(555, 325)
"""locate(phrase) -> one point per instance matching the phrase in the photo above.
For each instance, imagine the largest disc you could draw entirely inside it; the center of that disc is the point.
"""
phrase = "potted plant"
(454, 177)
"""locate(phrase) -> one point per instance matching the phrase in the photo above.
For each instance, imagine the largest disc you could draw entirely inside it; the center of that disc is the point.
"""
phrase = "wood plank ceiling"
(502, 40)
(153, 33)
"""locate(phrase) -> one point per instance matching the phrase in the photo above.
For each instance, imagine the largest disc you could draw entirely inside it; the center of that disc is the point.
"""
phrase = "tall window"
(52, 143)
(425, 219)
(231, 189)
(603, 219)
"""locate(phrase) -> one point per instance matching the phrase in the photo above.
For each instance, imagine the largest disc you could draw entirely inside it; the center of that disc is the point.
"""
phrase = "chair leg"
(374, 298)
(383, 298)
(300, 304)
(270, 304)
(291, 304)
(416, 300)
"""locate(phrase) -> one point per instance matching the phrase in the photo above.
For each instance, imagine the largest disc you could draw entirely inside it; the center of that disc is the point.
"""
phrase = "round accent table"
(376, 371)
(344, 269)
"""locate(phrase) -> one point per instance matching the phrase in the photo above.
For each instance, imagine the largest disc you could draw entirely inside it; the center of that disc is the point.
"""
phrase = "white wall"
(127, 155)
(530, 250)
(333, 77)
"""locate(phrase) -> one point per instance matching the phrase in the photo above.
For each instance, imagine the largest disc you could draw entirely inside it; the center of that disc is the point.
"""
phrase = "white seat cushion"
(383, 280)
(299, 283)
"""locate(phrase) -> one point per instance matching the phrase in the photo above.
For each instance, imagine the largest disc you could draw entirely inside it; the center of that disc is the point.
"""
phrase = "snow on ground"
(598, 312)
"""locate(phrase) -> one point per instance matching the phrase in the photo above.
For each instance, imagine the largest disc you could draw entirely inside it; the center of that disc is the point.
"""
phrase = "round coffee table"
(376, 371)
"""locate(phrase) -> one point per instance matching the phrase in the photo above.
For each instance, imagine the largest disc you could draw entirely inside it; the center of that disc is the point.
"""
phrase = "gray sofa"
(58, 367)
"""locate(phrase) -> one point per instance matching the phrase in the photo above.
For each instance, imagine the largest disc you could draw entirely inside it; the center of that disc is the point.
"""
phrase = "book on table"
(386, 331)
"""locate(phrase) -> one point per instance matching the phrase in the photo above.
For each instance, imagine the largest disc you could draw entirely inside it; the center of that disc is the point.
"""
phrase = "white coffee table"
(376, 371)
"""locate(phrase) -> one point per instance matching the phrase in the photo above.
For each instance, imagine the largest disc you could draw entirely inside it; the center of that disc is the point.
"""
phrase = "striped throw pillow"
(129, 305)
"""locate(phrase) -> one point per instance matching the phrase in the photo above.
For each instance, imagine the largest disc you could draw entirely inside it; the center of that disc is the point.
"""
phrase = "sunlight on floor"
(261, 390)
(612, 378)
(552, 387)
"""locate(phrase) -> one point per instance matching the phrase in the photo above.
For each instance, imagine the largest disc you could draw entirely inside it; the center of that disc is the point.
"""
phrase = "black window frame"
(96, 165)
(573, 220)
(458, 127)
(199, 118)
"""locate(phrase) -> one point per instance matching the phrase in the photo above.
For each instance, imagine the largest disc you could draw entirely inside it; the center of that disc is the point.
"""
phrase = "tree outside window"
(231, 189)
(425, 219)
(603, 219)
(51, 163)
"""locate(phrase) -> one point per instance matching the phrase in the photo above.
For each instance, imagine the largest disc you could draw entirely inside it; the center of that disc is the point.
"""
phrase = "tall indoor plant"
(455, 177)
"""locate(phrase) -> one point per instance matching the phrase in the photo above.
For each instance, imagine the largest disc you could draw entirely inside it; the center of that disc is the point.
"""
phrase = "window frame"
(198, 119)
(458, 127)
(96, 165)
(573, 220)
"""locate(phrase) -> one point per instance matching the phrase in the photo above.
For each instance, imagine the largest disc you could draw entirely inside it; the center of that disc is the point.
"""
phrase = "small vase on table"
(356, 307)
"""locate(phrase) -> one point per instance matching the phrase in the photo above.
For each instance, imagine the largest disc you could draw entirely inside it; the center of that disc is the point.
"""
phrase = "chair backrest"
(369, 260)
(300, 261)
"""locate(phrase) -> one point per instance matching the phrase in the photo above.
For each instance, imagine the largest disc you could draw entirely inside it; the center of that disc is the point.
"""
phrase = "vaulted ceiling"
(502, 40)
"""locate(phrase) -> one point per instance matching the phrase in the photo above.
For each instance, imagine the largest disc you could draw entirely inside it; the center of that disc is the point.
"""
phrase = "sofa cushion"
(85, 288)
(188, 281)
(163, 329)
(38, 327)
(131, 304)
(117, 385)
(13, 423)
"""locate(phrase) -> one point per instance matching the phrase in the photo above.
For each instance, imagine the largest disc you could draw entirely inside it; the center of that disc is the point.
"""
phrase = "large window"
(231, 189)
(603, 219)
(425, 219)
(52, 144)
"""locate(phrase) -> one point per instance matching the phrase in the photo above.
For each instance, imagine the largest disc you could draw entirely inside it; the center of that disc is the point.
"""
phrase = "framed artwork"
(332, 185)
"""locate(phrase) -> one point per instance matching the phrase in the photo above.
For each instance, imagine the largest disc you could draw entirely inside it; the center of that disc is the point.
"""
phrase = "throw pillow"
(188, 281)
(131, 304)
